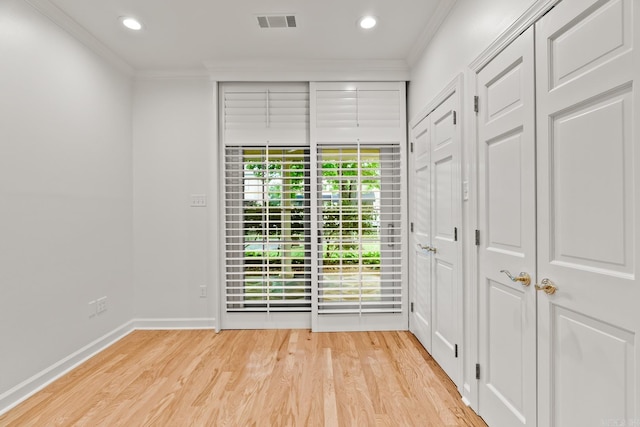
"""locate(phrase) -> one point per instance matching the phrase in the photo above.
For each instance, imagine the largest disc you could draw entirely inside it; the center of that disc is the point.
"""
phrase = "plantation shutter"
(267, 247)
(359, 111)
(265, 113)
(361, 237)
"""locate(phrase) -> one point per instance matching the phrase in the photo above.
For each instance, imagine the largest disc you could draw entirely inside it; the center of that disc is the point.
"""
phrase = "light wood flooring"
(252, 378)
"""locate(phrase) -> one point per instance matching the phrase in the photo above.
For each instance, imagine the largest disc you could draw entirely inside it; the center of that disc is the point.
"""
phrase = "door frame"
(538, 9)
(454, 88)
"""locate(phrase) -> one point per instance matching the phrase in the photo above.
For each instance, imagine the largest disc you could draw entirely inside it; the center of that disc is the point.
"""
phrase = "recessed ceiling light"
(131, 23)
(367, 22)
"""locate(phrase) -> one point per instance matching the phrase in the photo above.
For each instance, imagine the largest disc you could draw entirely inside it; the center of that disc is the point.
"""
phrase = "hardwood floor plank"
(252, 378)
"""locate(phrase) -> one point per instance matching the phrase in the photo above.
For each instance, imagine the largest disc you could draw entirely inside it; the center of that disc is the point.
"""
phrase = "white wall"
(65, 194)
(173, 119)
(472, 25)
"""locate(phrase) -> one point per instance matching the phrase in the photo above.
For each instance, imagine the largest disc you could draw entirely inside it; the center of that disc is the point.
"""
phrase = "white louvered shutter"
(268, 236)
(360, 229)
(267, 244)
(265, 113)
(359, 111)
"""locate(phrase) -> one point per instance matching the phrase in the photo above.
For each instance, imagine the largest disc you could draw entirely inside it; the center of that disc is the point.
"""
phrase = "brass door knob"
(523, 277)
(547, 286)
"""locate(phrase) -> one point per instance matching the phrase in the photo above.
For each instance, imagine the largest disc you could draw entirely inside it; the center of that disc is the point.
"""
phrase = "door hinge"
(411, 226)
(455, 234)
(411, 147)
(476, 103)
(477, 237)
(477, 371)
(456, 350)
(412, 307)
(455, 118)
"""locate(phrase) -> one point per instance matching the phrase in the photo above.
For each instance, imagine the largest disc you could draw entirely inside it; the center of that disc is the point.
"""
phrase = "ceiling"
(182, 34)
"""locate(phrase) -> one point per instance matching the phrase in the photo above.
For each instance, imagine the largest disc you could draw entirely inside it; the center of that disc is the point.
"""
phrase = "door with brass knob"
(588, 212)
(506, 187)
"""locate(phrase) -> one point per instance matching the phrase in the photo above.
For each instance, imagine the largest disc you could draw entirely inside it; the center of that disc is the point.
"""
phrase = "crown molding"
(64, 21)
(307, 70)
(191, 74)
(436, 20)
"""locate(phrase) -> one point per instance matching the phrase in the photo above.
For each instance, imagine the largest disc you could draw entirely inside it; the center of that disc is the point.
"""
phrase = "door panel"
(578, 151)
(585, 45)
(503, 178)
(445, 185)
(420, 318)
(506, 195)
(588, 204)
(594, 363)
(506, 305)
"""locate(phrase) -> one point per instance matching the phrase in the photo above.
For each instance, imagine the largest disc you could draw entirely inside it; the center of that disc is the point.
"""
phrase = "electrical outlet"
(93, 310)
(198, 200)
(101, 305)
(203, 291)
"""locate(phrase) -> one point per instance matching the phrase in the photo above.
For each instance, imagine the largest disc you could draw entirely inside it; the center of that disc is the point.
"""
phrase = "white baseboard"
(32, 385)
(159, 324)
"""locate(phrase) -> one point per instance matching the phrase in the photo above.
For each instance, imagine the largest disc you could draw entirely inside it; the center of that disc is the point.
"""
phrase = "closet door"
(436, 201)
(421, 253)
(507, 251)
(445, 219)
(588, 213)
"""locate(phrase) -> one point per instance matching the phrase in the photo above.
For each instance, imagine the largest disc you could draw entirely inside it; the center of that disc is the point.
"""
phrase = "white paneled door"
(507, 252)
(588, 214)
(420, 318)
(445, 219)
(436, 216)
(561, 204)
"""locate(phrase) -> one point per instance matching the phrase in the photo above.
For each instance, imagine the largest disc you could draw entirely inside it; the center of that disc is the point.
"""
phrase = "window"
(268, 240)
(360, 243)
(313, 210)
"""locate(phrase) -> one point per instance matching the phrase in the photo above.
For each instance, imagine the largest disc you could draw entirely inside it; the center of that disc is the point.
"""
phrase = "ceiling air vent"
(277, 21)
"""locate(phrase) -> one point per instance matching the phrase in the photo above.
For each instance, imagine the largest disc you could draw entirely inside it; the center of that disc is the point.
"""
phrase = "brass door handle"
(523, 277)
(547, 286)
(427, 248)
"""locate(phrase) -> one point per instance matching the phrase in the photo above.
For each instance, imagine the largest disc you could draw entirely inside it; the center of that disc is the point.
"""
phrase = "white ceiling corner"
(64, 21)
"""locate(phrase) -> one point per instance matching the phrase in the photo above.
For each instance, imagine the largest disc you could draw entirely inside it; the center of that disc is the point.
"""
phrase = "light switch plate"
(198, 200)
